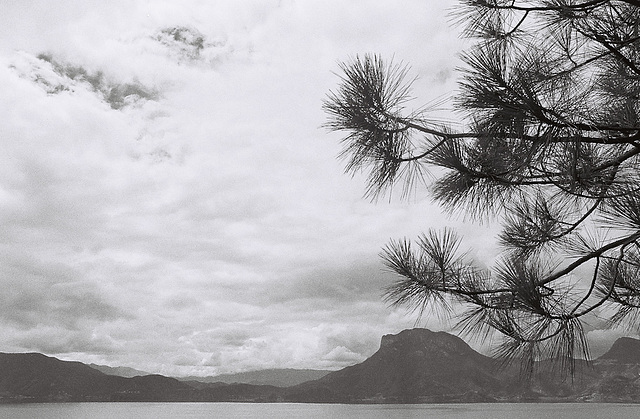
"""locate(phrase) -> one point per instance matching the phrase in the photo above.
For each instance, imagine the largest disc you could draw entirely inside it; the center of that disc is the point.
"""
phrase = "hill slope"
(415, 365)
(624, 350)
(39, 378)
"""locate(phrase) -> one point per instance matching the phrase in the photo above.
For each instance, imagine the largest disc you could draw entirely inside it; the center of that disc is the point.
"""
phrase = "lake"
(319, 411)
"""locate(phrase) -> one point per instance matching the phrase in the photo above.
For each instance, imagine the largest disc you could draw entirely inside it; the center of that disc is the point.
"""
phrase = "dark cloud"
(187, 42)
(329, 286)
(116, 95)
(51, 294)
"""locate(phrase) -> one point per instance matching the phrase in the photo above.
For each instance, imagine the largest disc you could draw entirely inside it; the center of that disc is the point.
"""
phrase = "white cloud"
(209, 229)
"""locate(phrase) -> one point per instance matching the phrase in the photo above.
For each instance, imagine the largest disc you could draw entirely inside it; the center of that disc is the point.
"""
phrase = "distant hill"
(273, 377)
(285, 377)
(413, 366)
(119, 371)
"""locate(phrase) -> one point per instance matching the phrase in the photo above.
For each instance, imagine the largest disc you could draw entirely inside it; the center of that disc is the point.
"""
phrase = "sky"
(169, 198)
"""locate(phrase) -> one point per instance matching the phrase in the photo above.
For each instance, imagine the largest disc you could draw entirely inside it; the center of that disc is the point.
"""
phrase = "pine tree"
(548, 144)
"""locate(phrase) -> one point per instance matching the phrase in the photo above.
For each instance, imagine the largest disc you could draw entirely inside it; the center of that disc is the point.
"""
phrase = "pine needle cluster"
(549, 98)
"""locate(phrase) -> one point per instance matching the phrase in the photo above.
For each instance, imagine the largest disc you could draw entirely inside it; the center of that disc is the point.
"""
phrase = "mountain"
(624, 351)
(35, 377)
(273, 377)
(418, 366)
(119, 371)
(413, 366)
(617, 374)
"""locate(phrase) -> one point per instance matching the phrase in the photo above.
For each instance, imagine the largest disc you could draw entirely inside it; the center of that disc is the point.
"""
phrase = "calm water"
(317, 411)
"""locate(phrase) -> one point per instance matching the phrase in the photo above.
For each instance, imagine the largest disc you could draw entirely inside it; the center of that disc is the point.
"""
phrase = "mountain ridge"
(126, 372)
(413, 366)
(279, 377)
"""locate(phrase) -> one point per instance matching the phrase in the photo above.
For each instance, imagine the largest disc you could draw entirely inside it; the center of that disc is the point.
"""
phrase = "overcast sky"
(203, 224)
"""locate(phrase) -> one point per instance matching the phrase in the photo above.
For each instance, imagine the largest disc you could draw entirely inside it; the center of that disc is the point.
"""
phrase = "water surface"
(319, 411)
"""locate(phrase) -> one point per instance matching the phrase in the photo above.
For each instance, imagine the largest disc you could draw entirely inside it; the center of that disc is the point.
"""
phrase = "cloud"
(342, 355)
(56, 77)
(168, 197)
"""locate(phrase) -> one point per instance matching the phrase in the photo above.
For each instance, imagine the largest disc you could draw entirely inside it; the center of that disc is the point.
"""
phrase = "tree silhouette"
(548, 144)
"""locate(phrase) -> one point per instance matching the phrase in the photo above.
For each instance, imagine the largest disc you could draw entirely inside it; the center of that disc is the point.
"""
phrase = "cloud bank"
(169, 199)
